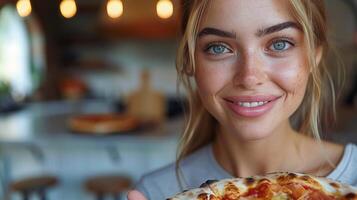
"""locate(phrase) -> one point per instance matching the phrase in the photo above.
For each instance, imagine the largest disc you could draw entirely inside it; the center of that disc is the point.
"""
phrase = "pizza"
(102, 124)
(274, 186)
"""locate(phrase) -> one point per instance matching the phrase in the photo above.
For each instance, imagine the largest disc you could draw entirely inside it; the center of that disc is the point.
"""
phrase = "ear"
(318, 56)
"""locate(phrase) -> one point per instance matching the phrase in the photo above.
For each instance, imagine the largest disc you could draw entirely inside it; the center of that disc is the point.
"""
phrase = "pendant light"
(68, 8)
(164, 9)
(24, 7)
(115, 8)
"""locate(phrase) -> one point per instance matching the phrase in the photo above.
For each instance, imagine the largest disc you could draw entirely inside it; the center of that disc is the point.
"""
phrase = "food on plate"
(102, 123)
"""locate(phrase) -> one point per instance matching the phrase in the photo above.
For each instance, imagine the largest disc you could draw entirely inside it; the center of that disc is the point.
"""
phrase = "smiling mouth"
(251, 106)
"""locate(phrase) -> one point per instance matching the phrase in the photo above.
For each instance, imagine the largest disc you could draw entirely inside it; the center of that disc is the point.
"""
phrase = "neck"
(246, 158)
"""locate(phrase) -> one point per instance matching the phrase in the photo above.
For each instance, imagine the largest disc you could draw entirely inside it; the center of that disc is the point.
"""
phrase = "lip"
(251, 111)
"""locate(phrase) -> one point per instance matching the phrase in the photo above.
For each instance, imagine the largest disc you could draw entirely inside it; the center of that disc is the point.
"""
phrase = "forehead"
(246, 15)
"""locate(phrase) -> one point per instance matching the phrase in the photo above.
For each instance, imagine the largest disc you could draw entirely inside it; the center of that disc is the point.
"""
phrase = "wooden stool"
(102, 186)
(36, 185)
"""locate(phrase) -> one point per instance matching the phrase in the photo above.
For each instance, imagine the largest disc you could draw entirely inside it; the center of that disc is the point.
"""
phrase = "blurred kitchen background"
(67, 65)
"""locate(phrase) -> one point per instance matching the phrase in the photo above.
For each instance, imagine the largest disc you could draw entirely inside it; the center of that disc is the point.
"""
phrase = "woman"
(252, 67)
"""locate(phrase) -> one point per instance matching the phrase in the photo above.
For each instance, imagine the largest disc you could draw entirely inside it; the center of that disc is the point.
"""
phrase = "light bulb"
(164, 9)
(115, 8)
(24, 8)
(68, 8)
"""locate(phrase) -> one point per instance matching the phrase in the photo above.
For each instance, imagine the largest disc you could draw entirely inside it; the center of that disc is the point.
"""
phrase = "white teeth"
(252, 104)
(246, 104)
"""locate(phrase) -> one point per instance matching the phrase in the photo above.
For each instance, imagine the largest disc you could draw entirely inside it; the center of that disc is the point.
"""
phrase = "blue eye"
(217, 49)
(280, 45)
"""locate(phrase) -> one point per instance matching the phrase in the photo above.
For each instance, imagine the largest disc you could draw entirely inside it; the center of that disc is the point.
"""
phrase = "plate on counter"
(103, 124)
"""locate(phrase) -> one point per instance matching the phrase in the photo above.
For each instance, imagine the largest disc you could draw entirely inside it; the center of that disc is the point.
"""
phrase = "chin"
(252, 133)
(252, 136)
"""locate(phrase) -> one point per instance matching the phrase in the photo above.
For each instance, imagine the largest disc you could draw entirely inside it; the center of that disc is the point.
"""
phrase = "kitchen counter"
(36, 140)
(46, 124)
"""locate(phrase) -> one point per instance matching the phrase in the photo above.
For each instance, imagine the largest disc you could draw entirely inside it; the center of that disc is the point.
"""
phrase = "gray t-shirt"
(201, 166)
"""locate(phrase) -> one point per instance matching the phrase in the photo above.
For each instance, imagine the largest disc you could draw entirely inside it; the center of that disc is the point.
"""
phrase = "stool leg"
(116, 197)
(100, 196)
(42, 194)
(25, 195)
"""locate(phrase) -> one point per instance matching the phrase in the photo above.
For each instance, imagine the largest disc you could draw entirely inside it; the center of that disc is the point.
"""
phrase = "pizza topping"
(310, 181)
(283, 179)
(295, 190)
(260, 191)
(203, 196)
(351, 196)
(231, 192)
(207, 183)
(249, 181)
(318, 195)
(292, 176)
(206, 196)
(264, 180)
(335, 185)
(281, 196)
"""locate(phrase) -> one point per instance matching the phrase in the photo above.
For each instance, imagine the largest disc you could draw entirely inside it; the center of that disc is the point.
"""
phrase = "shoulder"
(164, 183)
(346, 171)
(159, 184)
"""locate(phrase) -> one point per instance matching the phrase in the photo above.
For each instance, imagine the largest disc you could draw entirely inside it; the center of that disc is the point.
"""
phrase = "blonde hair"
(318, 102)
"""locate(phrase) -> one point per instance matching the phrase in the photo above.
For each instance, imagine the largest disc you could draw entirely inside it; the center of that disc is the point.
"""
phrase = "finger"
(135, 195)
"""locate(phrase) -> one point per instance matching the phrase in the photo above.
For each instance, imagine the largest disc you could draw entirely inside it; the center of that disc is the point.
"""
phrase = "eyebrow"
(277, 28)
(215, 31)
(259, 33)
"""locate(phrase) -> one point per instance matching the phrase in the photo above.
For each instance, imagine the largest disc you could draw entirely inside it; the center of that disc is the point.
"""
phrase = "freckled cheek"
(292, 78)
(211, 77)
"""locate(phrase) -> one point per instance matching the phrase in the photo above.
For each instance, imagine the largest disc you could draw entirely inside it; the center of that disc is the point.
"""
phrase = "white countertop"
(46, 124)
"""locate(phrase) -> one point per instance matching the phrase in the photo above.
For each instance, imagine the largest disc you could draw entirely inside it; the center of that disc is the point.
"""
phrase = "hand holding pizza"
(135, 195)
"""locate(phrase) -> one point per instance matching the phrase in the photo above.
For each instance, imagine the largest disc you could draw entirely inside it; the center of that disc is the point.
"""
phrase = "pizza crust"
(202, 193)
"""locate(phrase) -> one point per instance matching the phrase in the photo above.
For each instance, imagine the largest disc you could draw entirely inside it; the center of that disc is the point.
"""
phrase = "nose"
(250, 71)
